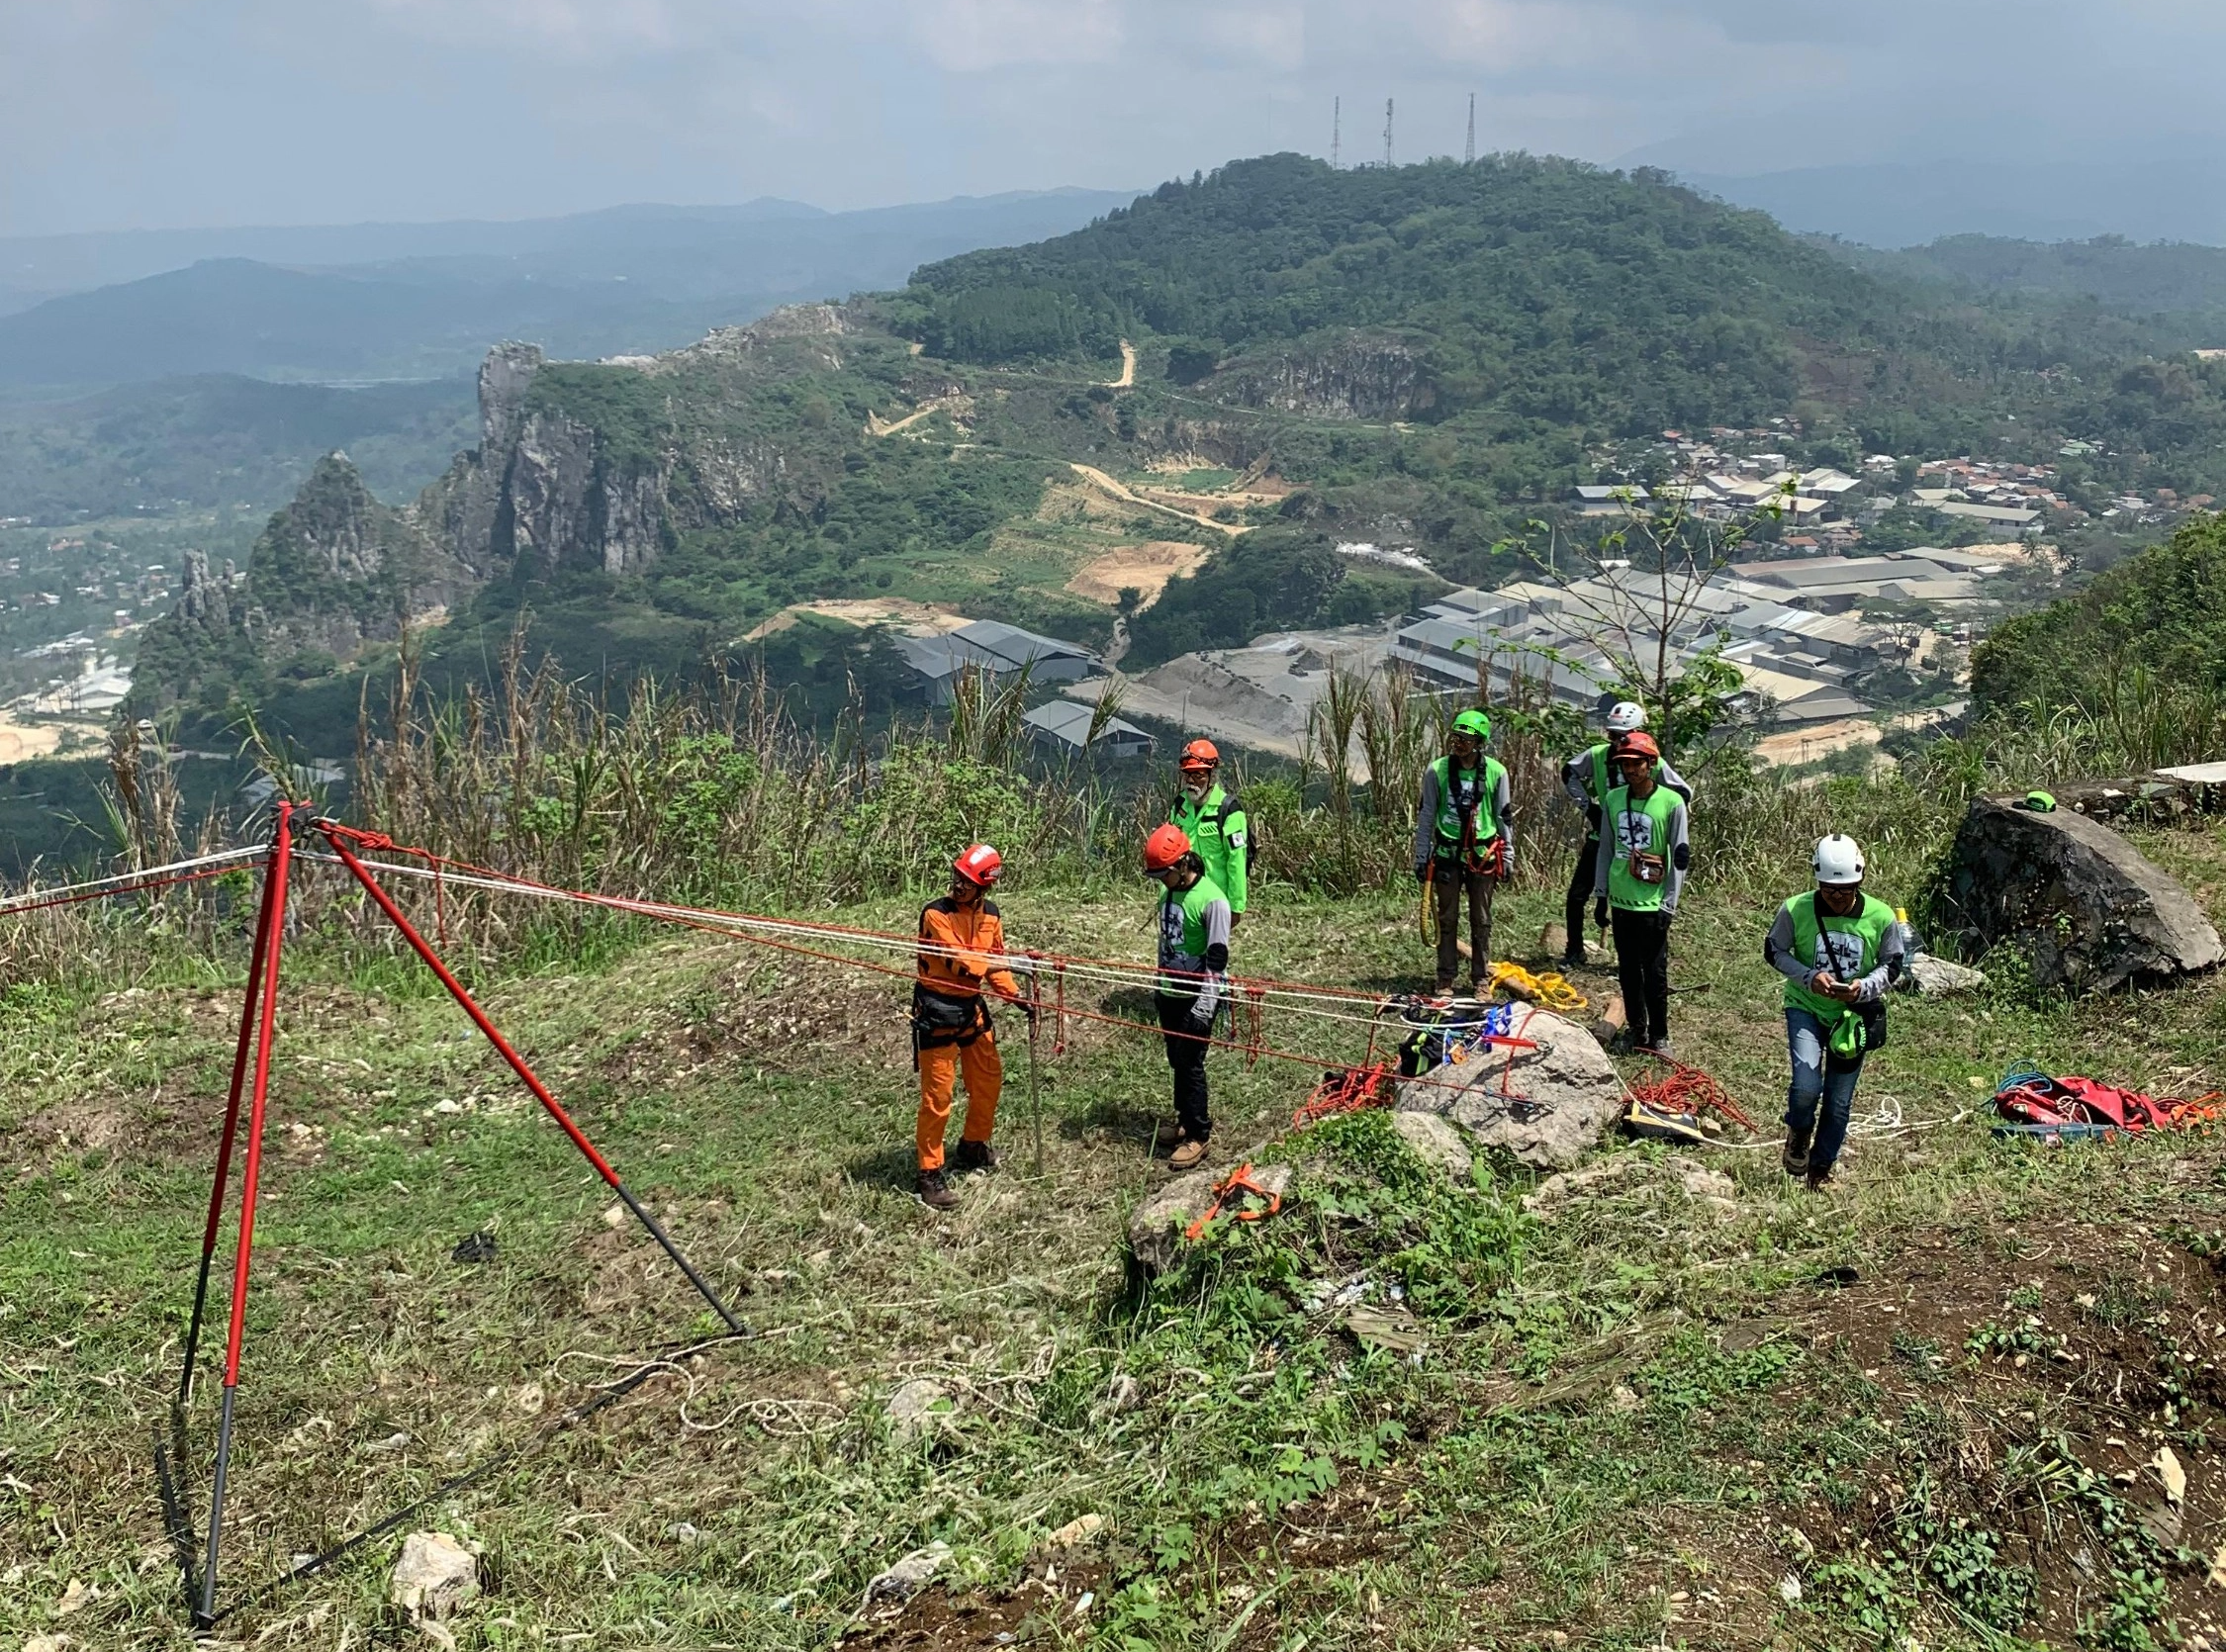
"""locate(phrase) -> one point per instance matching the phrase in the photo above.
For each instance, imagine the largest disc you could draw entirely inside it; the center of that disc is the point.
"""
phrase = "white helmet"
(1625, 717)
(1838, 860)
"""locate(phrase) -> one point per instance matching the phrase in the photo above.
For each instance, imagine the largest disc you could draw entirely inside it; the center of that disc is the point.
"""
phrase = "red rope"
(1688, 1090)
(139, 886)
(1350, 1092)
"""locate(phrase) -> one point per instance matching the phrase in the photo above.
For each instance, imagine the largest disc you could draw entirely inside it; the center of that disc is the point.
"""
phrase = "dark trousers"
(1579, 897)
(1642, 963)
(1822, 1097)
(1187, 1054)
(1448, 881)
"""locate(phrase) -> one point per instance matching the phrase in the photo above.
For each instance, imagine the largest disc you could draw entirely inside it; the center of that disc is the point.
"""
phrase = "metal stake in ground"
(232, 1127)
(525, 1073)
(1036, 1061)
(274, 933)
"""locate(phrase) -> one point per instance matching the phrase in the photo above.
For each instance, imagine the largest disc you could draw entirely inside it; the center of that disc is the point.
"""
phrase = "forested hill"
(1545, 290)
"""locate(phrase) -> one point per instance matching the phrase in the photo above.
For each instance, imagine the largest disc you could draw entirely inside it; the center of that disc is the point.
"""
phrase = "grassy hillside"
(1927, 1400)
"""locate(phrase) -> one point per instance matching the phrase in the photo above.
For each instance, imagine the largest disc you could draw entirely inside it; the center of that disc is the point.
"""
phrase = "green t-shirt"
(1639, 828)
(1848, 947)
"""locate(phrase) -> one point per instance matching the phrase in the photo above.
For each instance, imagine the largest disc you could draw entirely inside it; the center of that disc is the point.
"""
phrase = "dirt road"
(1127, 380)
(1096, 477)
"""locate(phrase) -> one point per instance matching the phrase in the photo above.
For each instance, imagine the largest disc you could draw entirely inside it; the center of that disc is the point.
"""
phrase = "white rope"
(149, 875)
(794, 929)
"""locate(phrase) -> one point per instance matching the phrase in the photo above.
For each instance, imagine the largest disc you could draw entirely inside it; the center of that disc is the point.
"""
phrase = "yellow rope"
(1550, 990)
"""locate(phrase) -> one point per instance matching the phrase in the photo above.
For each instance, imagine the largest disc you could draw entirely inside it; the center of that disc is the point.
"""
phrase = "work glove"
(1600, 912)
(1202, 1019)
(1422, 873)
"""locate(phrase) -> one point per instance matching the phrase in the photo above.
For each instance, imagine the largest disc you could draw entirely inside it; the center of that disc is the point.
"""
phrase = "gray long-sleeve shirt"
(1576, 780)
(1425, 817)
(1893, 957)
(1677, 855)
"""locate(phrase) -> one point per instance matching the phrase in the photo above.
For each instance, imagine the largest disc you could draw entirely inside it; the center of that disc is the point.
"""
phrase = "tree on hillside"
(1640, 597)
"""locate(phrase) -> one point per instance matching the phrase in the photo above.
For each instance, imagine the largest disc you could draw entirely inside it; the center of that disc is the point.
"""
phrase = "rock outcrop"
(1548, 1105)
(1359, 376)
(331, 573)
(2091, 911)
(1157, 1227)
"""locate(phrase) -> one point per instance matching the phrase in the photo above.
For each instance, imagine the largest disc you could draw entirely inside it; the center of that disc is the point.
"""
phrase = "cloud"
(301, 109)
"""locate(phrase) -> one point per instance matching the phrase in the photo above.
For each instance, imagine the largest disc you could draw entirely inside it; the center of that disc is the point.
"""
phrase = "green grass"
(1633, 1419)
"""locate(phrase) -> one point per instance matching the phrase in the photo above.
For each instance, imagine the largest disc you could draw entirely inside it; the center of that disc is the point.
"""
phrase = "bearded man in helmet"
(1464, 845)
(1588, 778)
(1193, 983)
(1839, 949)
(961, 960)
(1215, 823)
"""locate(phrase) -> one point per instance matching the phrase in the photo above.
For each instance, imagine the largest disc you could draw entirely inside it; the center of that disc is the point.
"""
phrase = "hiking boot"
(1795, 1160)
(935, 1192)
(1659, 1050)
(1574, 959)
(976, 1155)
(1188, 1155)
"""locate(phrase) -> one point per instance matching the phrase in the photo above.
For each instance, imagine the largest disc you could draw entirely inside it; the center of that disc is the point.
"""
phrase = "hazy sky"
(169, 113)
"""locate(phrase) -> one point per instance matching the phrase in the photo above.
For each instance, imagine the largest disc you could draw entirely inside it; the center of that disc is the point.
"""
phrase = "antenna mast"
(1472, 129)
(1336, 130)
(1387, 132)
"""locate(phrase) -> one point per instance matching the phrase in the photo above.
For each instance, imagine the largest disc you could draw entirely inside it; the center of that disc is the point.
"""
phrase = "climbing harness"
(1239, 1180)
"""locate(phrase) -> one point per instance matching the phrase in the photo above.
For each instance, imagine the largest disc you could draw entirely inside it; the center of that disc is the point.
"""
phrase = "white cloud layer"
(172, 112)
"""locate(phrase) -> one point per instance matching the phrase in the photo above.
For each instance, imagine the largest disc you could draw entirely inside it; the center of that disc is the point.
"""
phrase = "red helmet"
(1200, 754)
(979, 865)
(1163, 848)
(1637, 743)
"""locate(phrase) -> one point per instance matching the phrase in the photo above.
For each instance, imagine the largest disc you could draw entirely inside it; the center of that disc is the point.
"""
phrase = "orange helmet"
(979, 865)
(1637, 743)
(1200, 754)
(1163, 848)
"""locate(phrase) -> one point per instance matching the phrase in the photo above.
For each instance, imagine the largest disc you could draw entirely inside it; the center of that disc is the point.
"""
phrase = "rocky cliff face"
(1359, 376)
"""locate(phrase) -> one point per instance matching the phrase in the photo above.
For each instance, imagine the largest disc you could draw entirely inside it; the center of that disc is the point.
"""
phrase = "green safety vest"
(1182, 932)
(1219, 831)
(1479, 788)
(1848, 947)
(1628, 819)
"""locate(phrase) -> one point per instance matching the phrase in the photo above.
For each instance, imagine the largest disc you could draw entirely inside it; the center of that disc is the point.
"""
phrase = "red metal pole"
(526, 1075)
(232, 1130)
(281, 860)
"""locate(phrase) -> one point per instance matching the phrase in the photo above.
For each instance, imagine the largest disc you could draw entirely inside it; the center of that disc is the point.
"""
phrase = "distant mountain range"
(370, 301)
(1903, 205)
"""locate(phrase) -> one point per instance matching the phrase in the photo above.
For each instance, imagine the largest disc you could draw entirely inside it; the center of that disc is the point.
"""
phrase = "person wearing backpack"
(1464, 845)
(1214, 822)
(1638, 875)
(1839, 950)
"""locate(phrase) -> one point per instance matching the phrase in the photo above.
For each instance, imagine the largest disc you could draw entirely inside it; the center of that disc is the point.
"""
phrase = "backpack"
(1229, 806)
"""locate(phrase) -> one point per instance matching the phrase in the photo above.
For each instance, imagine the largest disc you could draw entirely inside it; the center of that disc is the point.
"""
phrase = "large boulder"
(1548, 1104)
(2088, 908)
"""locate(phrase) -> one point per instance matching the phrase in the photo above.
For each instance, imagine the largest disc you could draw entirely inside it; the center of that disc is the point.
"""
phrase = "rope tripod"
(250, 1076)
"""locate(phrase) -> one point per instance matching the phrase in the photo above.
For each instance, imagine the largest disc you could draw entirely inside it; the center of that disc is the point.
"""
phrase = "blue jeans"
(1818, 1077)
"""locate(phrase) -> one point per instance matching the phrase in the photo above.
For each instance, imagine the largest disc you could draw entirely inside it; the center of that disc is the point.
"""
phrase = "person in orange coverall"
(961, 960)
